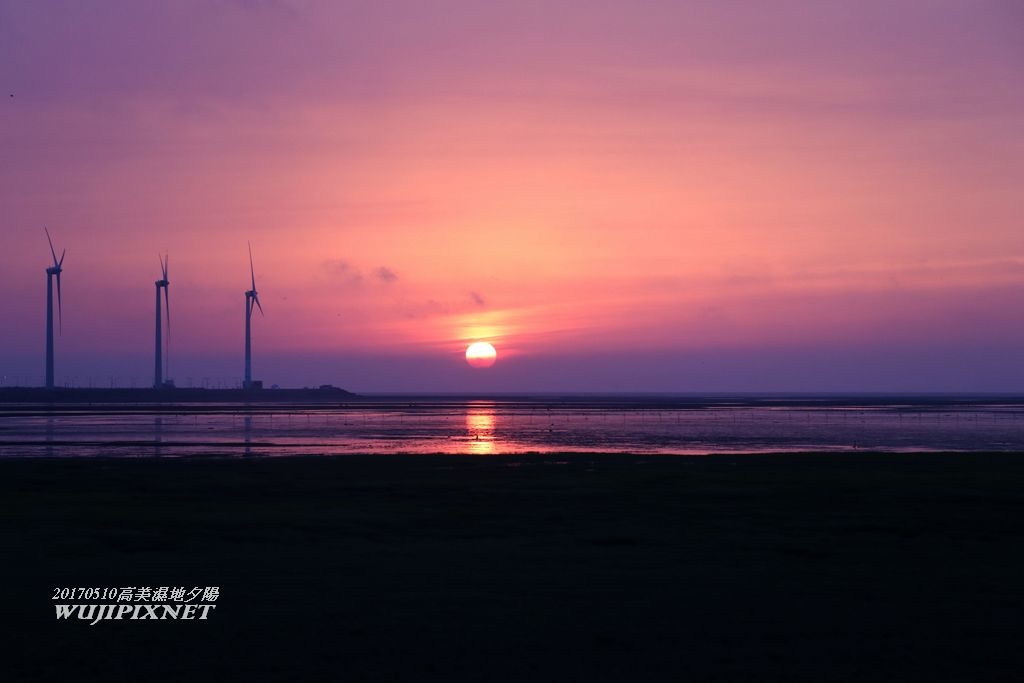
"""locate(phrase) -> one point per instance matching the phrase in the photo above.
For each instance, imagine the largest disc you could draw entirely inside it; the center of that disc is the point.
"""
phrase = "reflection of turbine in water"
(158, 435)
(247, 433)
(480, 421)
(49, 436)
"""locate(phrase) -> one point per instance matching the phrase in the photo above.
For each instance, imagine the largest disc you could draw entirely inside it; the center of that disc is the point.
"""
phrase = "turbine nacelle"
(165, 283)
(160, 379)
(56, 269)
(251, 294)
(52, 272)
(53, 252)
(252, 299)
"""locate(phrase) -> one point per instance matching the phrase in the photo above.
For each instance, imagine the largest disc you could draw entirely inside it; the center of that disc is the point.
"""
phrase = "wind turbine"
(54, 270)
(251, 298)
(160, 362)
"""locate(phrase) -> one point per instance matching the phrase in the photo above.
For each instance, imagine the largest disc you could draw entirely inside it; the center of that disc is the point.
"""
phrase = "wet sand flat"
(524, 424)
(840, 567)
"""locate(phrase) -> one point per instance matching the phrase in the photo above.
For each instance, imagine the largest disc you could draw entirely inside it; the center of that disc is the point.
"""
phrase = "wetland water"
(668, 425)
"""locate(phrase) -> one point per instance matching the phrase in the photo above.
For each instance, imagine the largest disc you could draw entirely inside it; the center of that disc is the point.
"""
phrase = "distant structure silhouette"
(51, 272)
(251, 298)
(161, 361)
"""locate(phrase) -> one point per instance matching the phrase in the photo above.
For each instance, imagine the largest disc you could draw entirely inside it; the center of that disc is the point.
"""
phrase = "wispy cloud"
(385, 274)
(342, 271)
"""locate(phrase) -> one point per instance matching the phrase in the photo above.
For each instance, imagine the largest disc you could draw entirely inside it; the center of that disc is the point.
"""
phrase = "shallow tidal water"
(652, 425)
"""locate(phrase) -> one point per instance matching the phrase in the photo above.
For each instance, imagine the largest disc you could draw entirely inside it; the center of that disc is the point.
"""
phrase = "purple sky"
(624, 196)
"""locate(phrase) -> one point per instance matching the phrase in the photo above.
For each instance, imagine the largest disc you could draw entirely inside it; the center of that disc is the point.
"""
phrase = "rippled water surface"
(516, 425)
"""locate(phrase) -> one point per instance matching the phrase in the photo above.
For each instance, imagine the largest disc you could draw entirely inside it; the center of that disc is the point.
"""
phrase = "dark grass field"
(860, 567)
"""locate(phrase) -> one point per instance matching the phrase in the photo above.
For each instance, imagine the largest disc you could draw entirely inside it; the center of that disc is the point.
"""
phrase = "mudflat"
(839, 567)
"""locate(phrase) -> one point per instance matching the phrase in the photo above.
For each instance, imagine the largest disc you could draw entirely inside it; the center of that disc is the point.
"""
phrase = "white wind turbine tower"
(251, 298)
(161, 361)
(51, 272)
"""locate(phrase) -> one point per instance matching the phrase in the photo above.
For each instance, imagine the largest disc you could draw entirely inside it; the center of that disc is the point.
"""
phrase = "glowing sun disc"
(481, 355)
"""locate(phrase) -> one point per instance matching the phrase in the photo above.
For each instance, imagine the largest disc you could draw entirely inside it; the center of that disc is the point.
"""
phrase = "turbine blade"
(257, 300)
(61, 262)
(252, 271)
(167, 261)
(52, 250)
(167, 308)
(60, 311)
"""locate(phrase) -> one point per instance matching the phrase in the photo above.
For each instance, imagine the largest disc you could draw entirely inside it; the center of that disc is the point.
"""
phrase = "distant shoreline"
(189, 395)
(331, 394)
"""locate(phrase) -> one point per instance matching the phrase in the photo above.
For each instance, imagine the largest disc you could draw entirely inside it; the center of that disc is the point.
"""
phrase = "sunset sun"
(481, 355)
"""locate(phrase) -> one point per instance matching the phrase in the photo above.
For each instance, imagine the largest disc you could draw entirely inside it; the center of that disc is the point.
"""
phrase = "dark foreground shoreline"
(838, 567)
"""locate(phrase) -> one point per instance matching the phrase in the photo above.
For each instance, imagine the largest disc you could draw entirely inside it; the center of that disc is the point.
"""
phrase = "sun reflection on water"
(480, 422)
